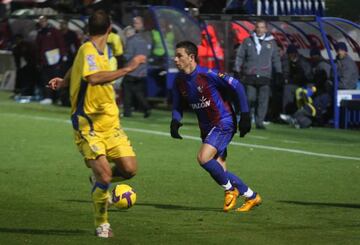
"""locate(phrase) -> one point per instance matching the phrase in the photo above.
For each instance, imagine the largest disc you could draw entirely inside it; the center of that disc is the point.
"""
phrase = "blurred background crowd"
(39, 40)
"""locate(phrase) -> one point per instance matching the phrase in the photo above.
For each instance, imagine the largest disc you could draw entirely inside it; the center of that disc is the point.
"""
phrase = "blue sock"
(217, 173)
(100, 186)
(237, 182)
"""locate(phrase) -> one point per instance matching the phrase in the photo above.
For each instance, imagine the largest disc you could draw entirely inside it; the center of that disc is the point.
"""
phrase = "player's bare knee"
(202, 158)
(128, 171)
(129, 175)
(104, 178)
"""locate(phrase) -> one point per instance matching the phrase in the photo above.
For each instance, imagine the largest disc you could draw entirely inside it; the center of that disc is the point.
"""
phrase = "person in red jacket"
(207, 53)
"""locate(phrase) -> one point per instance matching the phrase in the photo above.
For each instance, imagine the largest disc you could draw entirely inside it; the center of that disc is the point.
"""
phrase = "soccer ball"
(123, 196)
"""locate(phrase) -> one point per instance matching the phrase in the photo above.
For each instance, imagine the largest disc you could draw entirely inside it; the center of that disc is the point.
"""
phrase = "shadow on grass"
(48, 232)
(78, 201)
(179, 207)
(158, 205)
(322, 204)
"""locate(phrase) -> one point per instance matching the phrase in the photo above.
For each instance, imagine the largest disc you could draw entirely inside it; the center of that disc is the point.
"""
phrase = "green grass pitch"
(309, 181)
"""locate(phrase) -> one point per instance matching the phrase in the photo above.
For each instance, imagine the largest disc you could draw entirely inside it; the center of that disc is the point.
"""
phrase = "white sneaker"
(46, 101)
(104, 231)
(286, 118)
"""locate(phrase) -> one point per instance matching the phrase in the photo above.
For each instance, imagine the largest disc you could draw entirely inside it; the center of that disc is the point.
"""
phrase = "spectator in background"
(5, 34)
(139, 27)
(298, 74)
(313, 107)
(313, 100)
(347, 69)
(210, 49)
(72, 44)
(52, 53)
(321, 70)
(256, 59)
(27, 75)
(158, 49)
(304, 115)
(134, 83)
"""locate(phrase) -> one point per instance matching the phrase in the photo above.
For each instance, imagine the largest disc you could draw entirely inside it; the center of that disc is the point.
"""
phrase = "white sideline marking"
(273, 148)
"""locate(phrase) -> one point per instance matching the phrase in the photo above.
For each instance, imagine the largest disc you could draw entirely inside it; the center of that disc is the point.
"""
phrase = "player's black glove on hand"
(174, 129)
(244, 123)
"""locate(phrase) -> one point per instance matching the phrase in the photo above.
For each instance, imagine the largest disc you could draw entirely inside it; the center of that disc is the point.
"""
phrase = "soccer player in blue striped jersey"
(205, 92)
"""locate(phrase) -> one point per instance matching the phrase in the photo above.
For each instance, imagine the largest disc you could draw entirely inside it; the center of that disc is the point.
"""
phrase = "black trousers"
(27, 78)
(134, 90)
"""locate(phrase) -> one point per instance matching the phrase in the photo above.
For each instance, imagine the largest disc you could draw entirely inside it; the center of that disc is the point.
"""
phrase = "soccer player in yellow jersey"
(95, 116)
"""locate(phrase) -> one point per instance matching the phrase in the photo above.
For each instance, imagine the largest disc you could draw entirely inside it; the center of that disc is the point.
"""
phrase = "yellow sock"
(100, 196)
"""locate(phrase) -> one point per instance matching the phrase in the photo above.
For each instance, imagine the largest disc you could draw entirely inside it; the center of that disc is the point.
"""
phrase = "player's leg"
(252, 198)
(206, 158)
(122, 154)
(243, 189)
(125, 168)
(93, 148)
(100, 195)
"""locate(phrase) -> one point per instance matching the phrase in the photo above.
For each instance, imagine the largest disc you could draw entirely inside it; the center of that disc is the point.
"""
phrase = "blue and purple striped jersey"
(204, 90)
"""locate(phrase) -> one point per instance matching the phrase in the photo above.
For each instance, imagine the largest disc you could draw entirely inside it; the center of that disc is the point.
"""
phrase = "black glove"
(244, 123)
(174, 129)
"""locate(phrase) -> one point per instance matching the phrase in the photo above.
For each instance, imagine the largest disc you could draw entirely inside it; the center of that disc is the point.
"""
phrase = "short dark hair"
(190, 48)
(262, 21)
(99, 23)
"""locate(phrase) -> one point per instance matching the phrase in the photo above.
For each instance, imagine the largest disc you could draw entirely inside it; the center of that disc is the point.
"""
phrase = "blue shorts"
(220, 139)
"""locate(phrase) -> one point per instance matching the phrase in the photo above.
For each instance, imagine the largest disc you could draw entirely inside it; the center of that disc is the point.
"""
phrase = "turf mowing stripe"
(153, 132)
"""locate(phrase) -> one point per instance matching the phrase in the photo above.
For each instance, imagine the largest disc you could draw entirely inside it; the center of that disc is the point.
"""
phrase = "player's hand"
(140, 58)
(174, 129)
(55, 83)
(244, 123)
(136, 61)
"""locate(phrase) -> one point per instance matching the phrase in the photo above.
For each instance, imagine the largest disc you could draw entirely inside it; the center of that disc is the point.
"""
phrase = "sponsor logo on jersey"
(91, 62)
(204, 102)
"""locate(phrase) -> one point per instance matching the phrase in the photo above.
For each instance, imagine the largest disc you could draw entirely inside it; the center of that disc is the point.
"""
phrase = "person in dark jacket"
(27, 75)
(255, 60)
(52, 52)
(321, 71)
(298, 74)
(134, 83)
(347, 69)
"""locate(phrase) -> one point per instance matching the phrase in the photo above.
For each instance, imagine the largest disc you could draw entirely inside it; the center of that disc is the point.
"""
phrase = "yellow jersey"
(93, 108)
(115, 49)
(115, 43)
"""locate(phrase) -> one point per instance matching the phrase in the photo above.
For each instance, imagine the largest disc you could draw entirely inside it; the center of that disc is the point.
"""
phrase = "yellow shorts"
(113, 144)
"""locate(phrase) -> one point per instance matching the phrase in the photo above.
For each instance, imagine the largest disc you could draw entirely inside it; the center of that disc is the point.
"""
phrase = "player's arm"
(177, 113)
(238, 88)
(58, 82)
(108, 76)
